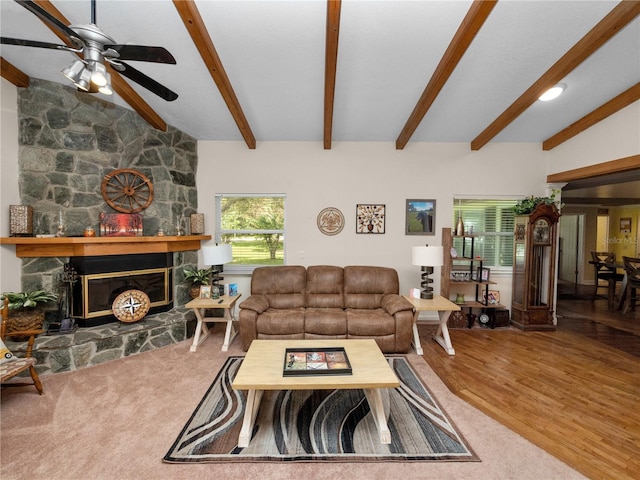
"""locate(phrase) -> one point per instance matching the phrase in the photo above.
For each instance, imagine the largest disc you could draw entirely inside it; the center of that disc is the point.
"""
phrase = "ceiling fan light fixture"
(99, 74)
(106, 89)
(74, 71)
(83, 83)
(553, 92)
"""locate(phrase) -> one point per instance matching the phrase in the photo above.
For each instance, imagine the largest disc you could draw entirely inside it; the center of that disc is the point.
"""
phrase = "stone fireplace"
(69, 141)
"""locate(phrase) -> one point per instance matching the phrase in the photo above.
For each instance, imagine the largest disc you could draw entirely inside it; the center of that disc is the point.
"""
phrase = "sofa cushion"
(283, 285)
(365, 287)
(325, 321)
(284, 321)
(324, 286)
(370, 323)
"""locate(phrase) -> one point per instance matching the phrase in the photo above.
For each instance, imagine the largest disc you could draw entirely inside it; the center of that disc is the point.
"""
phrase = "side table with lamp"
(428, 257)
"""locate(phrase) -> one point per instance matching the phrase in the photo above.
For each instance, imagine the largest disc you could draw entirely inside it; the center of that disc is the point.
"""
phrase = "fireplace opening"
(102, 278)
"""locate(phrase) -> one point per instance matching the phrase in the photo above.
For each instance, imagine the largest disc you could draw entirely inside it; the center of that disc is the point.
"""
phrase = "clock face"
(131, 306)
(541, 232)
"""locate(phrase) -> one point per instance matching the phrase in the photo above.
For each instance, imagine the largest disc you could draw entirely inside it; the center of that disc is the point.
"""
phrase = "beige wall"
(9, 194)
(352, 173)
(623, 244)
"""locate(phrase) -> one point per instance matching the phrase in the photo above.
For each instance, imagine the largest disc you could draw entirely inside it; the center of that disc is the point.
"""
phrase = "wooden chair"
(12, 368)
(632, 267)
(602, 262)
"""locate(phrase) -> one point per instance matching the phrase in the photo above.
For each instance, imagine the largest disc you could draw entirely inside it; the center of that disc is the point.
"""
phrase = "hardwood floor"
(574, 392)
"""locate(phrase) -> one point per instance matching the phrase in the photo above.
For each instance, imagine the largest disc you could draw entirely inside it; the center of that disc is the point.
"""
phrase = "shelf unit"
(466, 264)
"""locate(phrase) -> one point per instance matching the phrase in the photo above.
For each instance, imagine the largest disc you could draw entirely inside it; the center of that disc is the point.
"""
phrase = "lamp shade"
(427, 256)
(217, 254)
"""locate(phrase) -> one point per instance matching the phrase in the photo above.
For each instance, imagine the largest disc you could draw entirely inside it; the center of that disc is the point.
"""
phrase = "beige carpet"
(117, 420)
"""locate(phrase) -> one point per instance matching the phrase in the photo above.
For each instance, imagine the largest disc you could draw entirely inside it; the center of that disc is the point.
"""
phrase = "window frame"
(219, 232)
(457, 206)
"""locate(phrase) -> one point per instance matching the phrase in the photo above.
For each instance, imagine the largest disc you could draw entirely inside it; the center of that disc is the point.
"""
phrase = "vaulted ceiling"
(386, 70)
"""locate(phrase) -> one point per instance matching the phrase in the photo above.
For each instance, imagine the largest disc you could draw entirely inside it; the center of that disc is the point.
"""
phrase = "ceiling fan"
(95, 48)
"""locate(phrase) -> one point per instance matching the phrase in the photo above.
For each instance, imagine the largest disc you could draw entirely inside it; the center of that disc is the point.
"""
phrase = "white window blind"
(492, 222)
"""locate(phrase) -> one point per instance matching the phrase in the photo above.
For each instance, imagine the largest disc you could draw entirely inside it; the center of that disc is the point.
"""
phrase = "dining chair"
(604, 270)
(632, 268)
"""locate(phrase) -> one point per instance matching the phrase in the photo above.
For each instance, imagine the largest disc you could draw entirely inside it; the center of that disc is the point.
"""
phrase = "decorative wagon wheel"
(127, 190)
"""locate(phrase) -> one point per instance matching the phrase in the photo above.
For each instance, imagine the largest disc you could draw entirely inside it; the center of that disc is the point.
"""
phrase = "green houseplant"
(24, 313)
(529, 204)
(197, 277)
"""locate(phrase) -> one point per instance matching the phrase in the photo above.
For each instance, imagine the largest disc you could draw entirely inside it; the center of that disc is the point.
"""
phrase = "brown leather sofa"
(324, 302)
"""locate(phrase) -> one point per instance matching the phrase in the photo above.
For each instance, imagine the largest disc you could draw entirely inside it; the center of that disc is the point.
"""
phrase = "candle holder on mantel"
(197, 223)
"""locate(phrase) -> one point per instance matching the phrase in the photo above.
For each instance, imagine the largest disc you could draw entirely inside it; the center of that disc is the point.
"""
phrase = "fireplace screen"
(100, 290)
(102, 279)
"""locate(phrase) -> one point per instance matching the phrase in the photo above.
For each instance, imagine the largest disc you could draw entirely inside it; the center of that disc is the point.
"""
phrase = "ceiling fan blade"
(35, 43)
(51, 20)
(142, 53)
(147, 82)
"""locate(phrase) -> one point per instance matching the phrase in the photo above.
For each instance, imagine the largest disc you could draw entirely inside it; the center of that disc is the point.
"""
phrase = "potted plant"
(197, 277)
(529, 204)
(24, 313)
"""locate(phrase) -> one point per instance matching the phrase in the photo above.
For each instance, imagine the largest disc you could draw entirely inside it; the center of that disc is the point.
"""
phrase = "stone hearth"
(86, 347)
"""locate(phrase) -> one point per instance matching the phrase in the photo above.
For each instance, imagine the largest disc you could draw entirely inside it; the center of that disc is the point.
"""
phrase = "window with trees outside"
(254, 226)
(492, 221)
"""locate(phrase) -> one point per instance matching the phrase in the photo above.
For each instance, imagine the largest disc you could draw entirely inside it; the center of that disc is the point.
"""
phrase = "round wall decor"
(131, 306)
(330, 221)
(127, 190)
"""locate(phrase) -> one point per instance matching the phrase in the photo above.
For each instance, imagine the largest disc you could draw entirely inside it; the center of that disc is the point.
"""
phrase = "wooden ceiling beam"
(624, 164)
(192, 20)
(617, 103)
(467, 31)
(120, 86)
(621, 15)
(330, 67)
(13, 74)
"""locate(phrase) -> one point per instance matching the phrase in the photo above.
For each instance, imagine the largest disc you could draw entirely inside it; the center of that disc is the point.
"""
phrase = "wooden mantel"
(97, 246)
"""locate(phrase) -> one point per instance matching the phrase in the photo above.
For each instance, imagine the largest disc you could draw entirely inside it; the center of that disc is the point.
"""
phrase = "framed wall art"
(420, 217)
(330, 221)
(625, 225)
(370, 218)
(120, 225)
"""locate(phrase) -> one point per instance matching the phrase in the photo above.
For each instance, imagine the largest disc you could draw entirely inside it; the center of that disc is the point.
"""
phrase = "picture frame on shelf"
(481, 275)
(370, 218)
(120, 224)
(205, 291)
(420, 217)
(492, 297)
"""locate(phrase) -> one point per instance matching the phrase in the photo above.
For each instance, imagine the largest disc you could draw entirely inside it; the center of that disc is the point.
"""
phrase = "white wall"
(615, 137)
(352, 173)
(9, 194)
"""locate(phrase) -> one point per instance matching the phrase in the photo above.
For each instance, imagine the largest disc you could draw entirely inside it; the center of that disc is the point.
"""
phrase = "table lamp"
(426, 257)
(216, 256)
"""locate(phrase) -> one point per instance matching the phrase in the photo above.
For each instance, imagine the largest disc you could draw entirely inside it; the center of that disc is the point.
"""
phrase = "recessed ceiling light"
(553, 92)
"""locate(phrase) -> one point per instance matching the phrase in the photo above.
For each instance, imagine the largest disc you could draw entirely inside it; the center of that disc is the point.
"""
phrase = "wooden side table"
(444, 307)
(199, 306)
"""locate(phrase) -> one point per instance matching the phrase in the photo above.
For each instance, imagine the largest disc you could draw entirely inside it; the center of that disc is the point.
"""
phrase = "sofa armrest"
(257, 303)
(394, 303)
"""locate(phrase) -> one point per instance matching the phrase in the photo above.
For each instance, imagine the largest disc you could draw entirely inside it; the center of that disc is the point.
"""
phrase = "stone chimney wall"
(68, 142)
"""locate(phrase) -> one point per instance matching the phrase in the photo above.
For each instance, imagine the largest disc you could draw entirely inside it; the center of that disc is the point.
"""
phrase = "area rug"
(320, 425)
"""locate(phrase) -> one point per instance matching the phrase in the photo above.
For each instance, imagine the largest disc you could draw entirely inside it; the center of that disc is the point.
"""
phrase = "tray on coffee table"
(316, 361)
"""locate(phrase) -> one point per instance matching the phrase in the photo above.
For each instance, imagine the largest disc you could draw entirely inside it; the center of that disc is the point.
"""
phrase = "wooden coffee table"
(263, 365)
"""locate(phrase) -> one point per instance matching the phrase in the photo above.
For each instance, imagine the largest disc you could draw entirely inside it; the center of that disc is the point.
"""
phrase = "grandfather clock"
(534, 262)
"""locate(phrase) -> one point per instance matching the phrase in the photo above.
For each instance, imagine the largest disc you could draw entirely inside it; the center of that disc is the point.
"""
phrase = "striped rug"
(320, 425)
